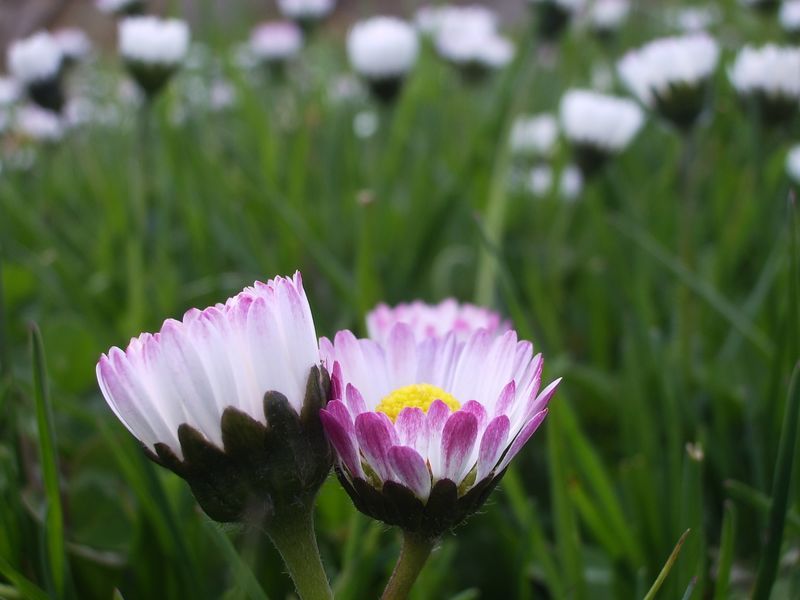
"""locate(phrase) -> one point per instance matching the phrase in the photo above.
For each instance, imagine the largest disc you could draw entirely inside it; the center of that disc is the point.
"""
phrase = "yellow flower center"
(418, 395)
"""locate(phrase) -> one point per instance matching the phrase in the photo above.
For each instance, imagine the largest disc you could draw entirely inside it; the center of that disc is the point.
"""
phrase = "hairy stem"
(413, 556)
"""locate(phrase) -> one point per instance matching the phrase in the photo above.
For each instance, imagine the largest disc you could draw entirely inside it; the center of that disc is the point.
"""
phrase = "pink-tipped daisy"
(434, 320)
(424, 429)
(228, 399)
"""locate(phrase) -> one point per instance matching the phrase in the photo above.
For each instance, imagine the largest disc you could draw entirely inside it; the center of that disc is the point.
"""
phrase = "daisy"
(424, 429)
(306, 13)
(221, 395)
(468, 38)
(37, 62)
(383, 50)
(276, 43)
(434, 320)
(768, 78)
(671, 75)
(153, 49)
(598, 126)
(75, 44)
(606, 17)
(790, 16)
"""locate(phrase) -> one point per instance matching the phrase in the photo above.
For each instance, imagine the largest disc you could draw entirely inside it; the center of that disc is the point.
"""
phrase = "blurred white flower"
(119, 7)
(770, 76)
(534, 135)
(605, 122)
(74, 43)
(38, 124)
(478, 19)
(607, 16)
(221, 96)
(306, 10)
(692, 19)
(570, 183)
(540, 180)
(672, 74)
(276, 41)
(36, 58)
(653, 70)
(790, 16)
(10, 91)
(365, 124)
(153, 41)
(469, 38)
(382, 48)
(793, 163)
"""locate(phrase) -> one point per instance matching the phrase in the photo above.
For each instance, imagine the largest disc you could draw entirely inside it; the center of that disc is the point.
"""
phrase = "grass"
(658, 427)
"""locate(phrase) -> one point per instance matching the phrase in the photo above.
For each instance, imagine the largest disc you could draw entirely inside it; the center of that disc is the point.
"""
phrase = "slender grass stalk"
(414, 554)
(662, 576)
(726, 550)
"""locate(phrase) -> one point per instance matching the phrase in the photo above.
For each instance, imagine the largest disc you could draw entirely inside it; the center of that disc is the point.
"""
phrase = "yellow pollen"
(418, 395)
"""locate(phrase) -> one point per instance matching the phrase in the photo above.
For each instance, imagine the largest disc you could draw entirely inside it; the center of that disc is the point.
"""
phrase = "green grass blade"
(26, 588)
(758, 500)
(54, 522)
(662, 576)
(243, 575)
(770, 555)
(726, 548)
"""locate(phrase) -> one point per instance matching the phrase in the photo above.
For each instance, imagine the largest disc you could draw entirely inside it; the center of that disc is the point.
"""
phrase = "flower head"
(434, 320)
(38, 124)
(768, 77)
(424, 429)
(37, 63)
(534, 135)
(276, 42)
(477, 18)
(306, 13)
(74, 43)
(383, 50)
(570, 184)
(790, 16)
(468, 38)
(10, 91)
(672, 74)
(607, 16)
(228, 398)
(598, 126)
(793, 163)
(153, 49)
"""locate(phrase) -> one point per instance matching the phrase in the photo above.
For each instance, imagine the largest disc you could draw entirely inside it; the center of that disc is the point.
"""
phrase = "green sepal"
(261, 471)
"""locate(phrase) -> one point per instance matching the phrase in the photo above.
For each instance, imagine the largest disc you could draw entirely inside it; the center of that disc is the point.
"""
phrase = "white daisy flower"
(382, 50)
(75, 44)
(10, 91)
(469, 39)
(790, 16)
(672, 74)
(607, 16)
(36, 58)
(770, 77)
(306, 12)
(598, 126)
(38, 124)
(276, 42)
(153, 49)
(793, 163)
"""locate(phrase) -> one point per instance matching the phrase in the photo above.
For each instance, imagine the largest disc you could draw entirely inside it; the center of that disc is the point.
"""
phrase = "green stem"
(413, 556)
(293, 536)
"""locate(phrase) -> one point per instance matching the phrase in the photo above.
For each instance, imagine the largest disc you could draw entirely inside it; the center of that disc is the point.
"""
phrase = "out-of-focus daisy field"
(615, 179)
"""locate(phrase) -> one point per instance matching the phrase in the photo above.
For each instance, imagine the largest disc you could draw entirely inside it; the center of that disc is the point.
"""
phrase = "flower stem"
(292, 533)
(413, 556)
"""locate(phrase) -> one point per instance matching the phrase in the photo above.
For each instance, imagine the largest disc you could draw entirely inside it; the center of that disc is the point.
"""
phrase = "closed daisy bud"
(153, 49)
(37, 63)
(767, 78)
(434, 320)
(424, 429)
(306, 13)
(672, 75)
(382, 50)
(598, 126)
(121, 8)
(790, 17)
(793, 164)
(228, 398)
(275, 44)
(553, 16)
